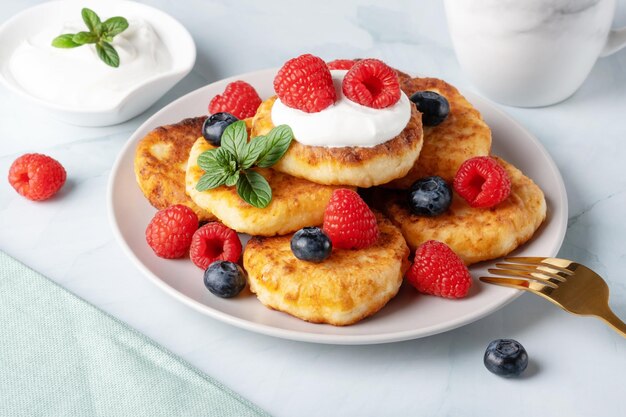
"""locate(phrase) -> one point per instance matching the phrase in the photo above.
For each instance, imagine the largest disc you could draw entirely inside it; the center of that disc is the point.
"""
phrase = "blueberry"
(430, 196)
(225, 279)
(434, 107)
(215, 125)
(506, 357)
(311, 244)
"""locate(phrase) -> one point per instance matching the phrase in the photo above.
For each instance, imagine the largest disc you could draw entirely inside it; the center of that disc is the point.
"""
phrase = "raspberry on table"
(349, 222)
(372, 83)
(36, 176)
(482, 182)
(170, 231)
(239, 99)
(437, 270)
(305, 83)
(214, 242)
(341, 64)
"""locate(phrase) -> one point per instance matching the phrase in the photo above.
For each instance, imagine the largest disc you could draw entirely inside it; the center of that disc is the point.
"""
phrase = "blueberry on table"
(506, 357)
(225, 279)
(430, 196)
(434, 107)
(311, 244)
(215, 125)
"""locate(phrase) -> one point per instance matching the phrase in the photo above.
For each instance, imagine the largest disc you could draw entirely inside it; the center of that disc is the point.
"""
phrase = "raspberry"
(437, 270)
(372, 83)
(36, 177)
(349, 222)
(170, 230)
(239, 99)
(305, 83)
(482, 181)
(341, 64)
(214, 242)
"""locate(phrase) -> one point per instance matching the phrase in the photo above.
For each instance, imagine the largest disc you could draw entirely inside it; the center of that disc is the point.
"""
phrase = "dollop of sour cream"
(345, 123)
(77, 77)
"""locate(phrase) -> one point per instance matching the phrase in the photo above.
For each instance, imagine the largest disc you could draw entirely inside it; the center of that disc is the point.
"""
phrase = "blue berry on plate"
(225, 279)
(506, 357)
(434, 107)
(311, 244)
(430, 196)
(215, 125)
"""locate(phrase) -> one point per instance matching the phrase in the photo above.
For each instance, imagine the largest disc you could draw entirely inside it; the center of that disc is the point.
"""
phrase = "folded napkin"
(61, 356)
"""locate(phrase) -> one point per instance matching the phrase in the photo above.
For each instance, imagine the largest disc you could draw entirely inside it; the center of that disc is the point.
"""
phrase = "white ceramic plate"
(409, 315)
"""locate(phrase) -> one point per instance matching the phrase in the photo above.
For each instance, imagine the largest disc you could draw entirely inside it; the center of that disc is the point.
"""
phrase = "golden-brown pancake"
(161, 161)
(296, 203)
(345, 288)
(475, 234)
(354, 166)
(463, 134)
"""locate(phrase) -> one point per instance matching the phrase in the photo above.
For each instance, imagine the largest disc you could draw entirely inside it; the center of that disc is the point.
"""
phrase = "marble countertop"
(577, 364)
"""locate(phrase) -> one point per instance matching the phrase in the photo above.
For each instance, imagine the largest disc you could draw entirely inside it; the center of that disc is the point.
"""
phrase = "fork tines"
(549, 272)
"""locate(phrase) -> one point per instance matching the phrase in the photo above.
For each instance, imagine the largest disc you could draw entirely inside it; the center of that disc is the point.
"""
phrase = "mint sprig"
(100, 33)
(231, 163)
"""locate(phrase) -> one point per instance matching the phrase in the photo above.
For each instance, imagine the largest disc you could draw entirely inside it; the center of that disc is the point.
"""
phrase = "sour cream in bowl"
(75, 85)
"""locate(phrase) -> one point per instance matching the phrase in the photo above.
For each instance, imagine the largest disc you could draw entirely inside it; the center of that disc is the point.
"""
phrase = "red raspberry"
(482, 181)
(349, 222)
(214, 242)
(437, 270)
(170, 230)
(305, 83)
(372, 83)
(239, 99)
(341, 64)
(36, 177)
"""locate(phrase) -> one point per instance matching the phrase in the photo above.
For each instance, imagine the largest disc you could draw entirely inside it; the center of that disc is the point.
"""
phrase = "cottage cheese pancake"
(353, 165)
(343, 289)
(475, 234)
(296, 203)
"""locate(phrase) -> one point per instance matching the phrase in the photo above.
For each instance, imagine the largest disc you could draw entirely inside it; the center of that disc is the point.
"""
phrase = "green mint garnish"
(230, 164)
(100, 33)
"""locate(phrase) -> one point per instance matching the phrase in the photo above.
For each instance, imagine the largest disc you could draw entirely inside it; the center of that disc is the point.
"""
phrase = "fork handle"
(615, 322)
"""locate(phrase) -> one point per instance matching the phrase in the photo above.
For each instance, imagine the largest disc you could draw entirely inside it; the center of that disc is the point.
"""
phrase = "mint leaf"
(92, 20)
(208, 161)
(235, 139)
(64, 41)
(253, 188)
(114, 26)
(82, 38)
(212, 180)
(253, 150)
(108, 54)
(232, 179)
(277, 142)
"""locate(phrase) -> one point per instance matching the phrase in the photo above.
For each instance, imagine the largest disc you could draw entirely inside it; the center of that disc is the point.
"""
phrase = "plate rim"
(301, 336)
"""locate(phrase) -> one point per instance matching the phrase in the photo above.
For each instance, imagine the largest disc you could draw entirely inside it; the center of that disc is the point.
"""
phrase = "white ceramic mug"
(531, 53)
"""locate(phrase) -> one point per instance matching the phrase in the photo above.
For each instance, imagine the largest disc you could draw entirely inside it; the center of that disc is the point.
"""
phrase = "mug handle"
(615, 42)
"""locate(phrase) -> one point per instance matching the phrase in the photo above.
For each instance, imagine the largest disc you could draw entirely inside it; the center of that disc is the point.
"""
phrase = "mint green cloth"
(61, 356)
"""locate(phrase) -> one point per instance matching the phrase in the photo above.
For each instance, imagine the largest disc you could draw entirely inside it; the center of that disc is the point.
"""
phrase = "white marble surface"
(577, 364)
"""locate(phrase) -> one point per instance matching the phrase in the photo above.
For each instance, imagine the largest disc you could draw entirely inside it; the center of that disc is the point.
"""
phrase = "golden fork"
(570, 285)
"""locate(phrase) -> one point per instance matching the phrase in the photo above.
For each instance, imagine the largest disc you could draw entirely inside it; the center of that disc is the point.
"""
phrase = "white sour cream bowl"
(156, 52)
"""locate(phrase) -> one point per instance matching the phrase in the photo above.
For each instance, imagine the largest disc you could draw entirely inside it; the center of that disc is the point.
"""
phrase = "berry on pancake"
(372, 83)
(349, 222)
(341, 64)
(482, 182)
(239, 99)
(305, 83)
